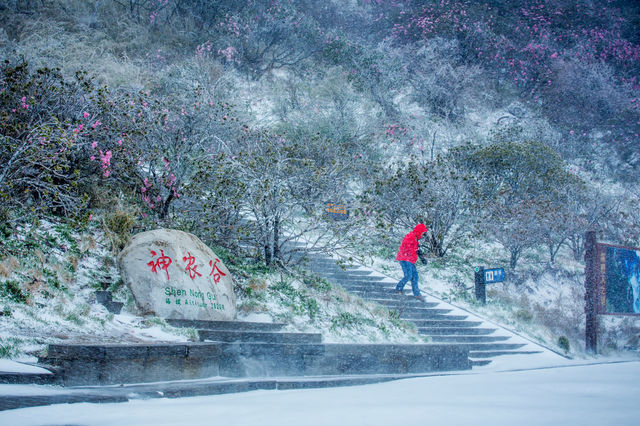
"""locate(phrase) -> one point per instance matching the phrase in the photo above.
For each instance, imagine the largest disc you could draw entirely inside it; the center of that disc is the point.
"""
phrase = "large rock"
(174, 275)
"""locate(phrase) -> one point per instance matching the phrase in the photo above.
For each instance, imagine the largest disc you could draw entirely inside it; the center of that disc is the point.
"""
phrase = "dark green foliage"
(524, 315)
(429, 192)
(317, 283)
(563, 343)
(299, 301)
(350, 321)
(11, 289)
(522, 190)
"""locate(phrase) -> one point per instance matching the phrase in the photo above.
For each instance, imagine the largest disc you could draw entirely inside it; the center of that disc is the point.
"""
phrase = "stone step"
(363, 284)
(382, 294)
(259, 337)
(355, 281)
(227, 325)
(323, 262)
(352, 273)
(391, 358)
(487, 347)
(401, 304)
(379, 291)
(421, 312)
(481, 354)
(324, 267)
(467, 338)
(375, 295)
(435, 317)
(27, 378)
(435, 324)
(433, 331)
(114, 364)
(440, 324)
(78, 365)
(12, 402)
(187, 388)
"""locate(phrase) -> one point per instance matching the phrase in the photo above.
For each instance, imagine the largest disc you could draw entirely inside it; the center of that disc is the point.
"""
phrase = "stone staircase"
(432, 318)
(241, 350)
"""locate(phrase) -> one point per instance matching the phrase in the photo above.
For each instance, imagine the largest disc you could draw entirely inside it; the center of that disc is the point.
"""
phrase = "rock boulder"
(174, 275)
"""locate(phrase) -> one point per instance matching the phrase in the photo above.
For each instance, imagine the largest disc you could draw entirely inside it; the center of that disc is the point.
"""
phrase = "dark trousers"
(410, 274)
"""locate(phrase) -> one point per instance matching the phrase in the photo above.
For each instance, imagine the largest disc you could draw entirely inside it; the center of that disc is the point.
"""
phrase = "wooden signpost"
(486, 276)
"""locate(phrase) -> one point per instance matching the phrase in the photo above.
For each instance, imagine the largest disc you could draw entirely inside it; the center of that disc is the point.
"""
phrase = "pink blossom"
(105, 159)
(85, 114)
(94, 144)
(228, 53)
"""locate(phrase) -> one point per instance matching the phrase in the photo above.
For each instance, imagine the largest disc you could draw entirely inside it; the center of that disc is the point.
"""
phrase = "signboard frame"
(601, 278)
(480, 281)
(336, 211)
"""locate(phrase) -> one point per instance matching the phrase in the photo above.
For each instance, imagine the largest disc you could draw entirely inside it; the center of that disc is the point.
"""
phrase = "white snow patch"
(600, 394)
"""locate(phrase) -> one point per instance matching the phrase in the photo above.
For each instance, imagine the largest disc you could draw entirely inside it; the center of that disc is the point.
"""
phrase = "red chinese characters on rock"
(162, 262)
(215, 271)
(191, 266)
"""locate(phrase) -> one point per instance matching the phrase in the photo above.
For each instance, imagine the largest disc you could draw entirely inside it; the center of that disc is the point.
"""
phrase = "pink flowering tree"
(283, 194)
(577, 62)
(45, 135)
(267, 35)
(170, 145)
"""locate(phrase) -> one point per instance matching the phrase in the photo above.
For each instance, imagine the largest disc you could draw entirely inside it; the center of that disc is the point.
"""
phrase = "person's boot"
(420, 298)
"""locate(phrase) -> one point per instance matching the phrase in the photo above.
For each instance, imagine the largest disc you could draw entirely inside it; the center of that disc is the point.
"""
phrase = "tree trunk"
(577, 247)
(267, 254)
(515, 254)
(165, 207)
(277, 256)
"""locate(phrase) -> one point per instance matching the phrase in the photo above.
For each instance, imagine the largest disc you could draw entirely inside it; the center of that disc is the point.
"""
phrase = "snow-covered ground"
(595, 394)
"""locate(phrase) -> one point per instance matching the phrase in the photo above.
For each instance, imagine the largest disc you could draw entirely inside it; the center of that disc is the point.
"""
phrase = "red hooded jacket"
(409, 247)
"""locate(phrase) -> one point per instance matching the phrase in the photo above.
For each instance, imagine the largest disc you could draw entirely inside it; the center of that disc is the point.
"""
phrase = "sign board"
(495, 275)
(618, 279)
(337, 211)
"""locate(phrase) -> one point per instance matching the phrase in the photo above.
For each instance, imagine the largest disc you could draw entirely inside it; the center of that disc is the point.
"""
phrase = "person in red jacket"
(408, 255)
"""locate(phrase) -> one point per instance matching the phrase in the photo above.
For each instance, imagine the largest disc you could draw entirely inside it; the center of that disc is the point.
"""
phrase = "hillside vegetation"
(508, 127)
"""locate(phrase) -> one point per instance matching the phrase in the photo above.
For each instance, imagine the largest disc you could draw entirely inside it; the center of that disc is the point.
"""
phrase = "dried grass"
(4, 272)
(40, 256)
(8, 266)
